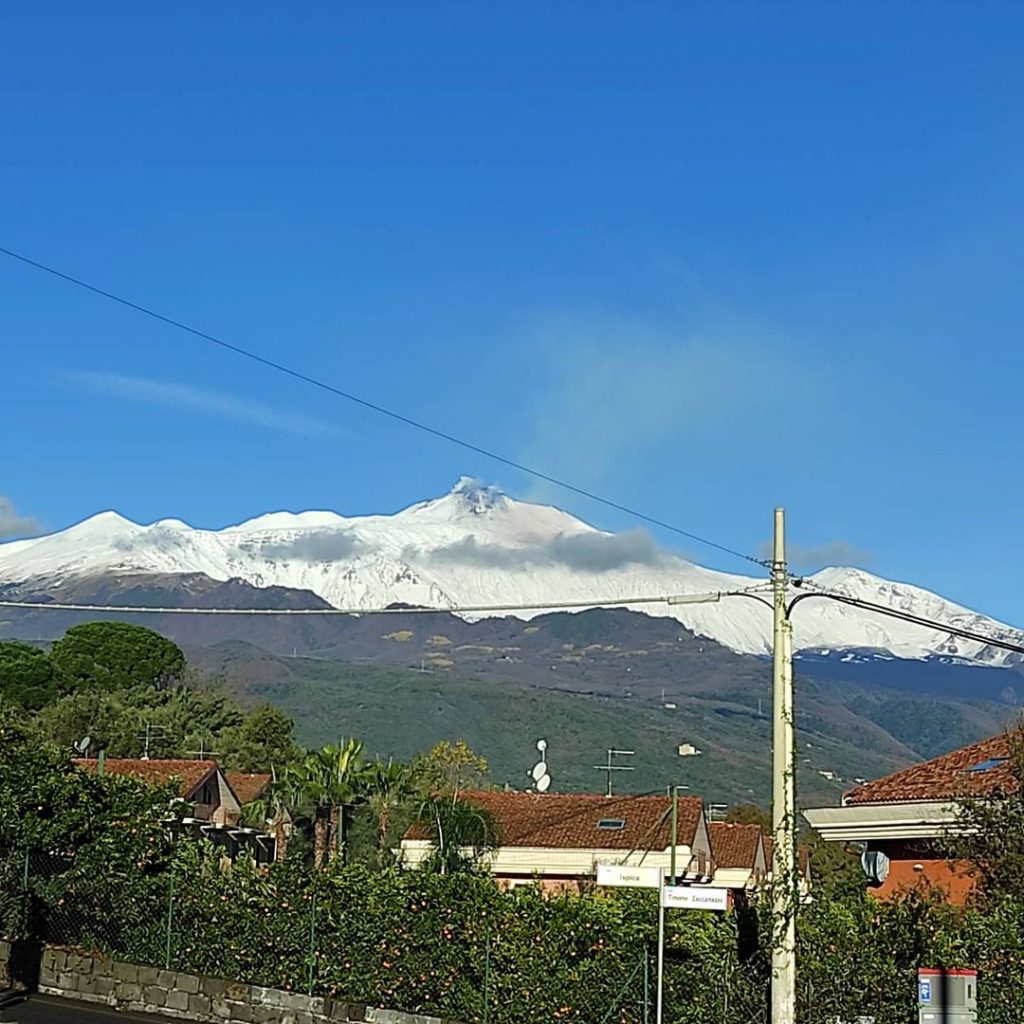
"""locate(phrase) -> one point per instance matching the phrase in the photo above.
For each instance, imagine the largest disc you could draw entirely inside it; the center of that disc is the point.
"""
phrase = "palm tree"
(461, 833)
(330, 782)
(272, 807)
(389, 785)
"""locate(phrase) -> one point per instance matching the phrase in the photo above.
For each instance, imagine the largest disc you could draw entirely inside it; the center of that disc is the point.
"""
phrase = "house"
(201, 784)
(248, 786)
(904, 818)
(560, 838)
(739, 856)
(214, 807)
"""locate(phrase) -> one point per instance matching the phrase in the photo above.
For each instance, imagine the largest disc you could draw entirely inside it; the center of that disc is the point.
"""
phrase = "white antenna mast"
(609, 767)
(539, 774)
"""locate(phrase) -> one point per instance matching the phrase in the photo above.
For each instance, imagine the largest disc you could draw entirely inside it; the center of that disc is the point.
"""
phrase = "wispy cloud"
(12, 524)
(815, 556)
(611, 392)
(202, 400)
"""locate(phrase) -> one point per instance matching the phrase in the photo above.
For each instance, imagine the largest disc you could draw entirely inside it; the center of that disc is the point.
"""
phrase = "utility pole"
(783, 797)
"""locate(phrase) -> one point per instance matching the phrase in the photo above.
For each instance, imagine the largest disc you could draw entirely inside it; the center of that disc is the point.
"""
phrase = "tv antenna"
(539, 773)
(152, 732)
(610, 766)
(202, 754)
(82, 745)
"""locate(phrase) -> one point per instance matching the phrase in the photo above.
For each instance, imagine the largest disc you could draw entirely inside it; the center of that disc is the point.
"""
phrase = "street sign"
(625, 876)
(693, 897)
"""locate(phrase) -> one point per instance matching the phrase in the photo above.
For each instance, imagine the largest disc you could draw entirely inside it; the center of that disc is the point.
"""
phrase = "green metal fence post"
(170, 922)
(647, 985)
(26, 909)
(487, 976)
(312, 943)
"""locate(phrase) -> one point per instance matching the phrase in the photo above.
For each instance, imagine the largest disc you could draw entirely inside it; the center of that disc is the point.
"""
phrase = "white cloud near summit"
(12, 524)
(583, 552)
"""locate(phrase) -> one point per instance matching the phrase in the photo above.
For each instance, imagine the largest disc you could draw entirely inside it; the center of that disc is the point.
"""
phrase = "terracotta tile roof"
(945, 777)
(190, 775)
(247, 785)
(569, 821)
(734, 845)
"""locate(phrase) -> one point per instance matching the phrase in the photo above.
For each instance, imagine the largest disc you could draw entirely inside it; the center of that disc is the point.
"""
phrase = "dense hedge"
(102, 873)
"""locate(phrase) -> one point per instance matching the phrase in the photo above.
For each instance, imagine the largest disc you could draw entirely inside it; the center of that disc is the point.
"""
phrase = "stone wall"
(98, 979)
(5, 961)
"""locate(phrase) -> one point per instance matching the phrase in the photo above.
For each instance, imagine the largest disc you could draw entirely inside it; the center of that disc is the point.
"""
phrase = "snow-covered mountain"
(476, 546)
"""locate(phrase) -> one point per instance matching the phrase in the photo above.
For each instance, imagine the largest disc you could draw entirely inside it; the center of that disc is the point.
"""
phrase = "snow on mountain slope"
(476, 546)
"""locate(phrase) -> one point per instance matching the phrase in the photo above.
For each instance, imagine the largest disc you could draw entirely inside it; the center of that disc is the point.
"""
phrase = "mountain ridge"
(477, 546)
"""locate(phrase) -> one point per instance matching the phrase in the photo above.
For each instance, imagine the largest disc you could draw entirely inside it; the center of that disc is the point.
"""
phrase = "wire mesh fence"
(161, 920)
(458, 948)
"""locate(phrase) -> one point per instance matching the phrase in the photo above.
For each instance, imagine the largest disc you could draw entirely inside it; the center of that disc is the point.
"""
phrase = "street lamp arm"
(753, 597)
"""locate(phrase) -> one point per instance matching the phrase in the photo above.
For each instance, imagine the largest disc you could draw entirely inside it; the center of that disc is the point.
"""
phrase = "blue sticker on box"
(924, 991)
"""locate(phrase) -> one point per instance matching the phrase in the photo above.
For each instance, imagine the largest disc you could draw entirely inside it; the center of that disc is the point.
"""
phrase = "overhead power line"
(918, 620)
(671, 600)
(479, 609)
(382, 410)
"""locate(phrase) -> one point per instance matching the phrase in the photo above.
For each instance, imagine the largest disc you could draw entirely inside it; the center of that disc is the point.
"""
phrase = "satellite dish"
(540, 769)
(542, 745)
(875, 865)
(542, 783)
(83, 744)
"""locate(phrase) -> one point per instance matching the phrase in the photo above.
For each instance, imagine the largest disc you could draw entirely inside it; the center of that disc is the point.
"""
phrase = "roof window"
(988, 765)
(611, 824)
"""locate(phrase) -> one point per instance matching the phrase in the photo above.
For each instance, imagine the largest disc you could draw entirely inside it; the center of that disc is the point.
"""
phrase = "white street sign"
(692, 897)
(642, 877)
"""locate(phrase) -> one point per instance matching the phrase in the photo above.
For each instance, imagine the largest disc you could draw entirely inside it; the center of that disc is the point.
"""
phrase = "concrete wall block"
(199, 1005)
(67, 980)
(154, 995)
(166, 979)
(79, 964)
(177, 1000)
(106, 987)
(128, 991)
(266, 1014)
(125, 973)
(238, 992)
(213, 987)
(297, 1001)
(221, 1008)
(148, 975)
(242, 1012)
(103, 966)
(188, 983)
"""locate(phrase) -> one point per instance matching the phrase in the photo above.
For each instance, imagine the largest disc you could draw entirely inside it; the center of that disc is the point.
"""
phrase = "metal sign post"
(685, 897)
(660, 997)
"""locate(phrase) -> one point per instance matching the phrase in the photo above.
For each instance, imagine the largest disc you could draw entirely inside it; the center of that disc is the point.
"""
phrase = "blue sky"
(703, 258)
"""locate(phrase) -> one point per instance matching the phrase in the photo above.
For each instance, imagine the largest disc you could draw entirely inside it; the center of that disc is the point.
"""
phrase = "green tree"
(326, 785)
(390, 786)
(180, 722)
(990, 836)
(450, 768)
(263, 741)
(461, 834)
(26, 675)
(116, 655)
(750, 814)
